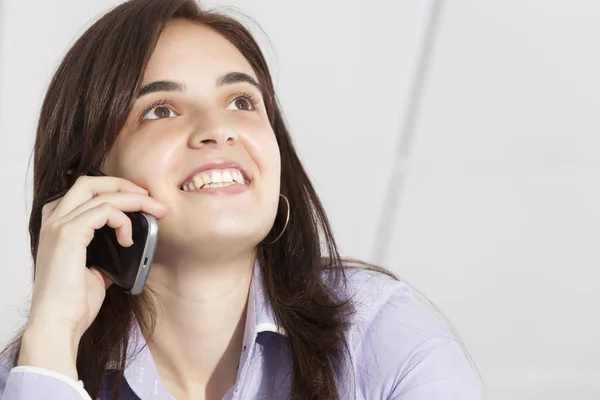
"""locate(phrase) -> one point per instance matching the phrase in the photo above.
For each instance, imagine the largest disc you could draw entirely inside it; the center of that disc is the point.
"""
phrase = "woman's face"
(199, 139)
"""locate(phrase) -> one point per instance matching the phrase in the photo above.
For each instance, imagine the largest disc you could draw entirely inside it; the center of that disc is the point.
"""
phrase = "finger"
(49, 208)
(105, 279)
(87, 187)
(126, 202)
(95, 218)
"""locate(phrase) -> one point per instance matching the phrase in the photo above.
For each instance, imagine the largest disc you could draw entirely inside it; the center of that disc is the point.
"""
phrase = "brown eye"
(159, 112)
(242, 103)
(162, 112)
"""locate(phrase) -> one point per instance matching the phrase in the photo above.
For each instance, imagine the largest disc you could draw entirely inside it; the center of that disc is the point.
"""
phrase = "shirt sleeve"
(408, 353)
(32, 383)
(437, 370)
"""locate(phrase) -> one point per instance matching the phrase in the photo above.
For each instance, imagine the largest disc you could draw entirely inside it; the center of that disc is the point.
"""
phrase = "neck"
(200, 318)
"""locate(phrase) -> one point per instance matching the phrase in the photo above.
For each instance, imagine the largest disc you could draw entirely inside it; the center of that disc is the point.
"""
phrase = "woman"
(247, 297)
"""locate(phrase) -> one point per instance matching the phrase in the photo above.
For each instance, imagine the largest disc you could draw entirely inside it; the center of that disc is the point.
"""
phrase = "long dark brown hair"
(86, 106)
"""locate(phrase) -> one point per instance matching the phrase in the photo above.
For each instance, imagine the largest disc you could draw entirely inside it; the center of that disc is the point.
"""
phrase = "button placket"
(247, 354)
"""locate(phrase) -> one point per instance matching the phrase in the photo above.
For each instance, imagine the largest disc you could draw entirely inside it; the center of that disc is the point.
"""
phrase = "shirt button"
(244, 348)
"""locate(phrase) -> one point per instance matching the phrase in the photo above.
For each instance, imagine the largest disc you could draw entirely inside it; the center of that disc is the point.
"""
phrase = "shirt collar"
(141, 372)
(260, 316)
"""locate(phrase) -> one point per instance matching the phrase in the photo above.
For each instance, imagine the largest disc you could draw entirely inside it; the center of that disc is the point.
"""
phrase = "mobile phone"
(127, 267)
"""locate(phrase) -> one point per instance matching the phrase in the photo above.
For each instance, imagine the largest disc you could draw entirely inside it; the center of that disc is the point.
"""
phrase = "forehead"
(194, 53)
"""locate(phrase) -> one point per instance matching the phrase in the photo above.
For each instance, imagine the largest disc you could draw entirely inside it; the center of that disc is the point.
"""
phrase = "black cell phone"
(127, 267)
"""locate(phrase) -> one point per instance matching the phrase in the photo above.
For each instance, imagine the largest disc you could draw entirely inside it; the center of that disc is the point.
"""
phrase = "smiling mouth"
(215, 178)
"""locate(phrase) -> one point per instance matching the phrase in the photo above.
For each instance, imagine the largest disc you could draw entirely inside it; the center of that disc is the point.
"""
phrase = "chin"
(225, 234)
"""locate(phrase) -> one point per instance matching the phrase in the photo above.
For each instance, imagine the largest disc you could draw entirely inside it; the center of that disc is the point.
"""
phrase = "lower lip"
(231, 189)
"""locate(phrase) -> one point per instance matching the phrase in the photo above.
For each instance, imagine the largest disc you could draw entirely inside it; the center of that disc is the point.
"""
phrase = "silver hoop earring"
(287, 219)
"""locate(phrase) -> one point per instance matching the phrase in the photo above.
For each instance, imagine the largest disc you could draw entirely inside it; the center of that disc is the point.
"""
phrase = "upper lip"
(218, 165)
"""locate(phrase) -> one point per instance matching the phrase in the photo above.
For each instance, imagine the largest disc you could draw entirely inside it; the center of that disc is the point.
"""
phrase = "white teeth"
(227, 177)
(220, 178)
(237, 177)
(217, 185)
(216, 177)
(198, 182)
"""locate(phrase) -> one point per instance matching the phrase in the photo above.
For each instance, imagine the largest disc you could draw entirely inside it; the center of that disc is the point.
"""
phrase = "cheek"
(263, 149)
(146, 160)
(269, 165)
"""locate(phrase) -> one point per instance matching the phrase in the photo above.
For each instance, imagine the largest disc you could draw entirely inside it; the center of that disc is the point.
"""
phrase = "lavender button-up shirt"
(398, 350)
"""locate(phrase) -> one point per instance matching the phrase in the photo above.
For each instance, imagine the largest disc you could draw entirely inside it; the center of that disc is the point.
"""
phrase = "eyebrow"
(229, 78)
(236, 77)
(161, 86)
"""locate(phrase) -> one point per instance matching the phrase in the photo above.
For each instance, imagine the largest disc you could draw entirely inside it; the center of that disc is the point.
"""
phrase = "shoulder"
(399, 343)
(384, 303)
(375, 294)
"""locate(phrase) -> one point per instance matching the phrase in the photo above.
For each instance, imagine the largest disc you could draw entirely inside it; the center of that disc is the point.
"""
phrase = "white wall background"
(493, 159)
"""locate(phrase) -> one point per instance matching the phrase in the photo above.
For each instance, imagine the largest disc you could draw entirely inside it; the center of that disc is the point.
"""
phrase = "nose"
(211, 129)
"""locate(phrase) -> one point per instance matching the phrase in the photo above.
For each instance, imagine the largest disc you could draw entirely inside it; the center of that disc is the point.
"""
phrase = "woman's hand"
(66, 294)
